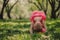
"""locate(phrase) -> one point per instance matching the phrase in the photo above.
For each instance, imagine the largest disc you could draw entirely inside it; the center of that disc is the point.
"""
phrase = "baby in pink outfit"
(38, 22)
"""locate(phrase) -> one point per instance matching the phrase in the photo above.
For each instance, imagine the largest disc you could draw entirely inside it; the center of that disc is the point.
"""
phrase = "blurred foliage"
(22, 9)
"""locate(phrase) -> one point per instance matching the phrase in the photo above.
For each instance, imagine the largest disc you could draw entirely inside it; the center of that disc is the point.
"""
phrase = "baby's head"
(37, 23)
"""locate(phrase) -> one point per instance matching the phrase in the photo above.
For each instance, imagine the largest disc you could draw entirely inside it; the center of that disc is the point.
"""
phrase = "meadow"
(19, 30)
(15, 23)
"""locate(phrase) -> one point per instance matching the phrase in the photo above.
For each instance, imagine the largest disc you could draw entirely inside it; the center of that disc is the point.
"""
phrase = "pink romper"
(39, 14)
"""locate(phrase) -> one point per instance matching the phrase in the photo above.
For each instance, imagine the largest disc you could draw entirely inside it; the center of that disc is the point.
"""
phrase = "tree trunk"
(1, 14)
(53, 14)
(8, 14)
(5, 2)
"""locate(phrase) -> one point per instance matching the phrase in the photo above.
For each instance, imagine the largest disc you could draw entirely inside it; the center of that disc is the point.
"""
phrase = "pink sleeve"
(44, 18)
(43, 15)
(31, 19)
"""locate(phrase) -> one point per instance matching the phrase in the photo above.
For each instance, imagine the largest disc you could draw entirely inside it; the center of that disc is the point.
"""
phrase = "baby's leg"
(43, 30)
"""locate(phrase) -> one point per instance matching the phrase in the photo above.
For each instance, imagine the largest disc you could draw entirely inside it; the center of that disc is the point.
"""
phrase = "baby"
(38, 22)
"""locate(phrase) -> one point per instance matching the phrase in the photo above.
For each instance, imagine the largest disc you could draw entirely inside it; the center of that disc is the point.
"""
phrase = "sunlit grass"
(20, 30)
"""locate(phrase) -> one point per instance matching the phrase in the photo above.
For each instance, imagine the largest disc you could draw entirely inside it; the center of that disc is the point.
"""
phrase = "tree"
(53, 6)
(9, 8)
(5, 2)
(40, 6)
(58, 15)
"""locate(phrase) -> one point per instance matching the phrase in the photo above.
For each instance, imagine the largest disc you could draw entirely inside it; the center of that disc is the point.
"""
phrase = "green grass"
(19, 30)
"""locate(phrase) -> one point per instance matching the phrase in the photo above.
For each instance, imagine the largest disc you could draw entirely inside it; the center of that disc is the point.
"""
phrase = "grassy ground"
(19, 30)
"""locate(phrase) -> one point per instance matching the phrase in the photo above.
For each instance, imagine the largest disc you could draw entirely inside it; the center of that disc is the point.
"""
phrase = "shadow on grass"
(10, 32)
(53, 30)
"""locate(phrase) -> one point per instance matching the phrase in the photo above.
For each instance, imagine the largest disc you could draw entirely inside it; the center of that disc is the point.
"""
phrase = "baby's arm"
(44, 24)
(31, 28)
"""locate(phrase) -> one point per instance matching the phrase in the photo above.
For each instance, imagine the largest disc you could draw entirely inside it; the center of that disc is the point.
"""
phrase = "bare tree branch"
(45, 10)
(10, 8)
(13, 5)
(50, 2)
(35, 4)
(5, 2)
(58, 14)
(40, 5)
